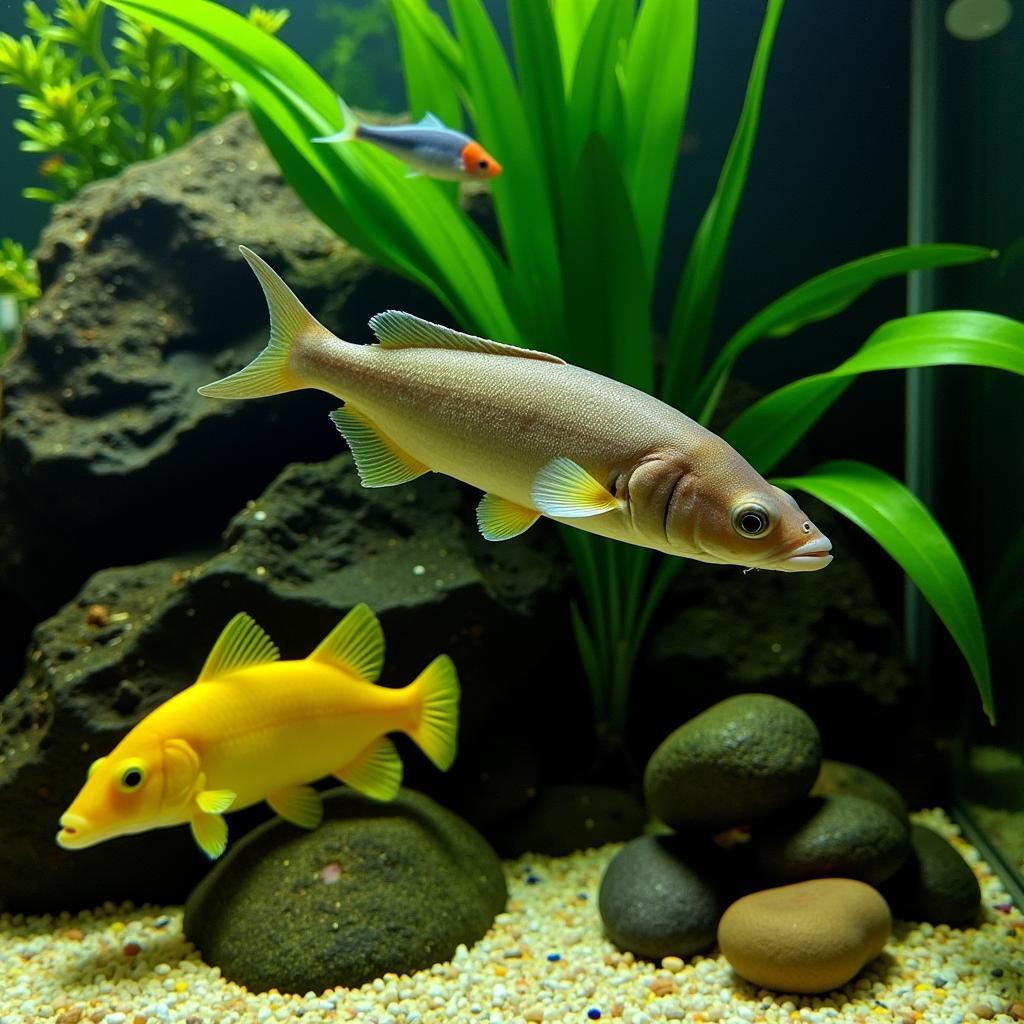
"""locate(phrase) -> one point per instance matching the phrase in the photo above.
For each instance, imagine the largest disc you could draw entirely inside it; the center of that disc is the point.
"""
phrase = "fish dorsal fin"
(355, 645)
(429, 120)
(395, 329)
(242, 644)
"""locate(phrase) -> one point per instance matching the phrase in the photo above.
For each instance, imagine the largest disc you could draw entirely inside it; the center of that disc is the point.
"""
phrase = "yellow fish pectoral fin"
(210, 831)
(565, 490)
(379, 461)
(501, 519)
(356, 645)
(215, 801)
(376, 772)
(243, 642)
(301, 805)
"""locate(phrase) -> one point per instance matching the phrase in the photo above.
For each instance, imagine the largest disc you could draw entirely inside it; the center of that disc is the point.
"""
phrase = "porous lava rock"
(297, 558)
(806, 938)
(830, 836)
(109, 455)
(738, 762)
(564, 818)
(663, 895)
(935, 883)
(377, 888)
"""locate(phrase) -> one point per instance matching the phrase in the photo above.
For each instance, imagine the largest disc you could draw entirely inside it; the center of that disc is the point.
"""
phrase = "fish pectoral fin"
(376, 772)
(215, 801)
(565, 490)
(379, 461)
(501, 519)
(355, 645)
(301, 805)
(210, 832)
(395, 329)
(242, 644)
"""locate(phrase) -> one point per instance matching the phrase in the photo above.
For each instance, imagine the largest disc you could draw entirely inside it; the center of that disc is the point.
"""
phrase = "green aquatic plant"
(586, 116)
(19, 289)
(92, 107)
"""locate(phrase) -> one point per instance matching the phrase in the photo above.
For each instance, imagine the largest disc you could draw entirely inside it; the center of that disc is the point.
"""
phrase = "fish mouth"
(73, 834)
(815, 554)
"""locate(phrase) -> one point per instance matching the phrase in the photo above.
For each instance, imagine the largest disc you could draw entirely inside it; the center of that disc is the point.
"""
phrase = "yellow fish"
(255, 728)
(535, 434)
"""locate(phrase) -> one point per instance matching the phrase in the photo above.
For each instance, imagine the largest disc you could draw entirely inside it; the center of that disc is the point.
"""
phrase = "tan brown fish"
(536, 434)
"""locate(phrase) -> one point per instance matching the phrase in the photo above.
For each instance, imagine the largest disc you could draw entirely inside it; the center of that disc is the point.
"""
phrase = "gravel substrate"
(544, 960)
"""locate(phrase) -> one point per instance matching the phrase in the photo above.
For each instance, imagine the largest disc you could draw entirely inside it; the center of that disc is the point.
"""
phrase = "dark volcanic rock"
(110, 456)
(831, 836)
(663, 895)
(735, 763)
(935, 884)
(296, 559)
(376, 888)
(570, 817)
(840, 777)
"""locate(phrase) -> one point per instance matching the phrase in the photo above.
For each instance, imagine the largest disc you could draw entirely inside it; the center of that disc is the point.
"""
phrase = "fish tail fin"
(436, 697)
(349, 126)
(271, 372)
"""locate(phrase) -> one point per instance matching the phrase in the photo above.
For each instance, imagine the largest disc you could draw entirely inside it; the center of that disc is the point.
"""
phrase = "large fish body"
(429, 146)
(254, 728)
(537, 435)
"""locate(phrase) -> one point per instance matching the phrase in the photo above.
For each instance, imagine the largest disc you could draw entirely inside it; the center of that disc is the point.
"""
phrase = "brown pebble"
(662, 986)
(75, 934)
(983, 1011)
(1016, 1011)
(534, 1013)
(672, 963)
(70, 1016)
(809, 937)
(139, 1019)
(97, 1016)
(97, 615)
(193, 1020)
(132, 949)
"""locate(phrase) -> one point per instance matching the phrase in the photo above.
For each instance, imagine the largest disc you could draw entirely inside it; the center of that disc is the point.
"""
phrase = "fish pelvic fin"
(272, 371)
(210, 832)
(501, 519)
(349, 126)
(435, 694)
(301, 805)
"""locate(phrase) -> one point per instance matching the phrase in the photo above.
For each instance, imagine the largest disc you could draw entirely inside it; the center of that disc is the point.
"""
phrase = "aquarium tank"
(509, 511)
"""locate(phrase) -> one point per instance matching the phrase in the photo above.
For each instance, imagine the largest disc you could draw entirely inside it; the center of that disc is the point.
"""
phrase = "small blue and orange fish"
(429, 147)
(255, 728)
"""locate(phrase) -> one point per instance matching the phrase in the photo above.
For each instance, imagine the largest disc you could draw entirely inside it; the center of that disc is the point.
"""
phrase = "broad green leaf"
(694, 309)
(416, 16)
(595, 103)
(410, 225)
(429, 86)
(824, 296)
(890, 513)
(656, 89)
(770, 428)
(607, 292)
(571, 18)
(539, 69)
(521, 197)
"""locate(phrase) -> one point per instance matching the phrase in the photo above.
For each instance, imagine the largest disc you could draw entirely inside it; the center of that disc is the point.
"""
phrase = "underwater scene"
(510, 511)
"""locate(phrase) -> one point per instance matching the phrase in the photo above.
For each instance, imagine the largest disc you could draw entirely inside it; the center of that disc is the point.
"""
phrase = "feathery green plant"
(19, 289)
(586, 116)
(92, 112)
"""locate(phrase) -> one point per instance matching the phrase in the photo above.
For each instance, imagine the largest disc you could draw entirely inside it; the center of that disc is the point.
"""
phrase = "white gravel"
(545, 959)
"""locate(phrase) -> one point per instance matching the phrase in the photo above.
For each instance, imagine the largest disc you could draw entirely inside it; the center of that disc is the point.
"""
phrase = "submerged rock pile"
(753, 805)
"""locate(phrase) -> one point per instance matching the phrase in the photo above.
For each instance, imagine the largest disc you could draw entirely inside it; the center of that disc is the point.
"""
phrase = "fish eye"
(751, 520)
(483, 165)
(131, 778)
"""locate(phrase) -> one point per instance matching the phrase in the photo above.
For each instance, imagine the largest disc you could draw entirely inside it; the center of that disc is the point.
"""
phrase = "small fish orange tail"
(271, 373)
(436, 730)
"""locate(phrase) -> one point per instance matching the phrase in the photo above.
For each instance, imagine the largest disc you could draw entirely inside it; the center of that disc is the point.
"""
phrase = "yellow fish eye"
(751, 519)
(131, 778)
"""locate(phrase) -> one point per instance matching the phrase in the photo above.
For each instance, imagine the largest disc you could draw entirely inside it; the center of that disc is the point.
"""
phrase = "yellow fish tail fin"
(436, 693)
(271, 372)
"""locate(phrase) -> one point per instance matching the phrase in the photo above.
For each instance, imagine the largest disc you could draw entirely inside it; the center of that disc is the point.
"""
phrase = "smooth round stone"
(805, 938)
(935, 884)
(830, 836)
(663, 895)
(737, 762)
(851, 779)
